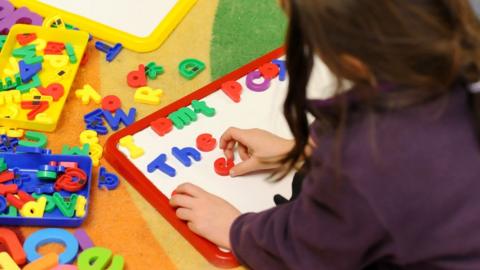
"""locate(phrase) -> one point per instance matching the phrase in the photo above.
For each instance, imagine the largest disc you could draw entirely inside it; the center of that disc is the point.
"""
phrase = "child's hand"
(206, 214)
(254, 145)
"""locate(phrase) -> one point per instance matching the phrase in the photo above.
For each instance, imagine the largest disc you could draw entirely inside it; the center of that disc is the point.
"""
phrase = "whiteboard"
(138, 17)
(251, 193)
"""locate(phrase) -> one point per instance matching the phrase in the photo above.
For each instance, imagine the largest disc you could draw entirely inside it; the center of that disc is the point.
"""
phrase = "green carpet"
(243, 31)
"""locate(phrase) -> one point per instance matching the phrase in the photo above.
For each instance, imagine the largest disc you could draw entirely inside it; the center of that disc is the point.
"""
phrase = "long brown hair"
(425, 46)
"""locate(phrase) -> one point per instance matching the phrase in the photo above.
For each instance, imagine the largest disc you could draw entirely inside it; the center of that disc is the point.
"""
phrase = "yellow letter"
(148, 96)
(34, 209)
(6, 262)
(134, 150)
(80, 207)
(88, 93)
(88, 137)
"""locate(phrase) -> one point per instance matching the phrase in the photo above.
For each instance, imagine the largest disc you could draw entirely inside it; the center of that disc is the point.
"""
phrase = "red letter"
(162, 126)
(10, 240)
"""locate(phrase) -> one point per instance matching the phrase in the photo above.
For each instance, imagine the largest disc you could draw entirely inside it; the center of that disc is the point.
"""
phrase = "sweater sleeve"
(329, 226)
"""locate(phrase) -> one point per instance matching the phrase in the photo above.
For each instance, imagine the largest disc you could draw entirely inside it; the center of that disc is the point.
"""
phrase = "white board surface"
(138, 17)
(263, 110)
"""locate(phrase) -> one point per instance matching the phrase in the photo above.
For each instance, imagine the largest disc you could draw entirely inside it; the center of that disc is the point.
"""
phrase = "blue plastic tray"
(28, 163)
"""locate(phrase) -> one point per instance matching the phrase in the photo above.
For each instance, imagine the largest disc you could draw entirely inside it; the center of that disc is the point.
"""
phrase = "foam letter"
(10, 240)
(120, 116)
(88, 93)
(183, 117)
(148, 96)
(7, 263)
(202, 107)
(98, 258)
(34, 209)
(45, 236)
(134, 150)
(137, 78)
(160, 163)
(46, 262)
(184, 155)
(162, 126)
(80, 206)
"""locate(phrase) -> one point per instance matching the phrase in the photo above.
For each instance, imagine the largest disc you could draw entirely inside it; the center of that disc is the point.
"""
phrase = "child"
(394, 178)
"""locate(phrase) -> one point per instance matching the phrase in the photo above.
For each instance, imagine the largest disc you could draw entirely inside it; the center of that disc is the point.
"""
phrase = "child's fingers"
(244, 167)
(184, 214)
(228, 153)
(231, 134)
(229, 150)
(230, 145)
(189, 189)
(183, 201)
(192, 227)
(243, 152)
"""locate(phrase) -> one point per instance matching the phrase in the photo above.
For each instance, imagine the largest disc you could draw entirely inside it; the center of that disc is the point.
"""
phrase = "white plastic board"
(139, 17)
(263, 110)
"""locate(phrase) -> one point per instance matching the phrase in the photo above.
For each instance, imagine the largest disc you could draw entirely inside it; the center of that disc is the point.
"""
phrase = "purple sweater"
(409, 199)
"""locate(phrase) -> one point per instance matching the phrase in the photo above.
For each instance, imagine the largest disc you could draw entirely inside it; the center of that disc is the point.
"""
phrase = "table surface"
(121, 219)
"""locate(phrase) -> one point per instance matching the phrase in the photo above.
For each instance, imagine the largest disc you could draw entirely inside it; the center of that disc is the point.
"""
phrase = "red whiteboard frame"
(144, 186)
